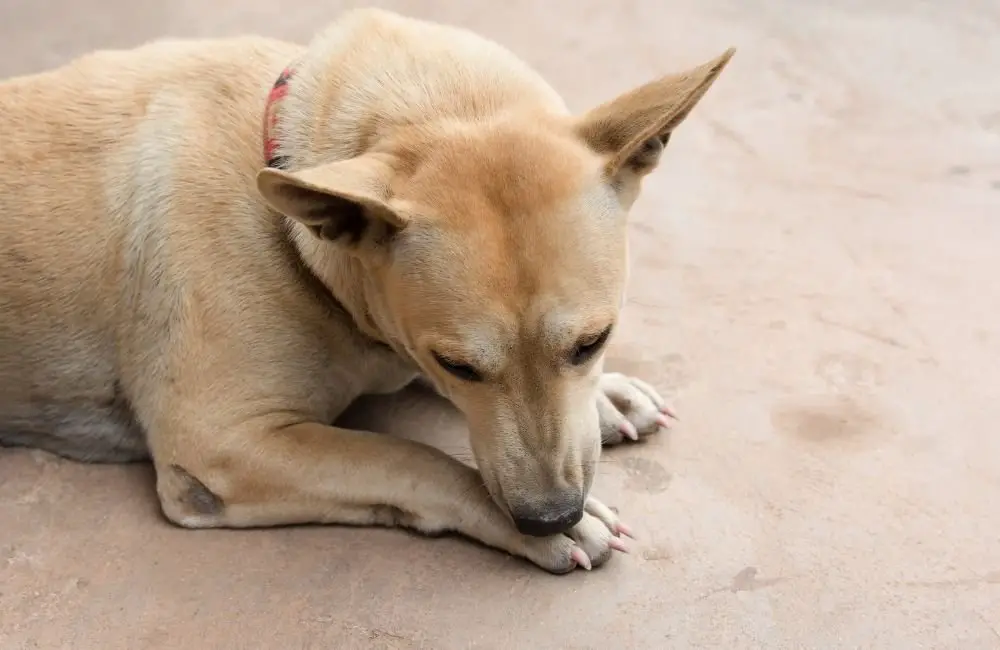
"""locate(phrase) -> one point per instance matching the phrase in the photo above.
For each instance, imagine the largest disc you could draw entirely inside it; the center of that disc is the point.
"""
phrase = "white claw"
(581, 558)
(617, 544)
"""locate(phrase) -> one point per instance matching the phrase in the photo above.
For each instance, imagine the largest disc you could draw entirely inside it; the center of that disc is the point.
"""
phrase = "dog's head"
(496, 257)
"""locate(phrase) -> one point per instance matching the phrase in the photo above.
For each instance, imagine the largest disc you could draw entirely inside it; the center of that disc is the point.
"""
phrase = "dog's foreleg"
(311, 473)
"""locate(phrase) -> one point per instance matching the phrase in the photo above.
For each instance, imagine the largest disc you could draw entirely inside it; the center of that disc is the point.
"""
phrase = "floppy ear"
(633, 129)
(344, 202)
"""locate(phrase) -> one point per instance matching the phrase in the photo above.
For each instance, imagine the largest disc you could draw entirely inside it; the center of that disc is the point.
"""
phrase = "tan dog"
(201, 270)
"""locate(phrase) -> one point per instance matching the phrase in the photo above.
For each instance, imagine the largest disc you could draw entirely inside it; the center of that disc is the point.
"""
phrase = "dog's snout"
(549, 519)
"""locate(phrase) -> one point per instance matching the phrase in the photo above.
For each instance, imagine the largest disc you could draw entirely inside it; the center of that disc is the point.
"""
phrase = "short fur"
(167, 296)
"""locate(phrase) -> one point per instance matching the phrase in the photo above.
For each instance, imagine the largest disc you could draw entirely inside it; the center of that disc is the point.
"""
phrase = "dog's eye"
(588, 347)
(462, 371)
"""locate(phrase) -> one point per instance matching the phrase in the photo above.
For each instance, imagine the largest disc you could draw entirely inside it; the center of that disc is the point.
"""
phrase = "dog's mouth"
(537, 515)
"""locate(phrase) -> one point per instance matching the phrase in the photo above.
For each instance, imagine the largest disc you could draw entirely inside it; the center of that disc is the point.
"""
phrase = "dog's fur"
(440, 212)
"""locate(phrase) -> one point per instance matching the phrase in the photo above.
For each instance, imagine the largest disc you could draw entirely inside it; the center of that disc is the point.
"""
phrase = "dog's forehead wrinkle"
(507, 290)
(508, 170)
(562, 325)
(492, 210)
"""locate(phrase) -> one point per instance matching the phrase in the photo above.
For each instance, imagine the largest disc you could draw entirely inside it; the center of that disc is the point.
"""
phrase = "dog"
(210, 248)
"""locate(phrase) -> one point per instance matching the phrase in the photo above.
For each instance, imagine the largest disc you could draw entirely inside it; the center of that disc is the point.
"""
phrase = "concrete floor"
(814, 281)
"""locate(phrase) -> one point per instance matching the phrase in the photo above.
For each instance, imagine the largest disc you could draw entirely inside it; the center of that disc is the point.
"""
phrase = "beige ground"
(814, 279)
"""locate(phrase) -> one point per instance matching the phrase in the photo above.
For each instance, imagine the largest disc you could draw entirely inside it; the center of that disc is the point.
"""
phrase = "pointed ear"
(345, 202)
(633, 129)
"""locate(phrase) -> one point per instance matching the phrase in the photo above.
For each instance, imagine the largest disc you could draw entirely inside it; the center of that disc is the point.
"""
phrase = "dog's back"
(88, 151)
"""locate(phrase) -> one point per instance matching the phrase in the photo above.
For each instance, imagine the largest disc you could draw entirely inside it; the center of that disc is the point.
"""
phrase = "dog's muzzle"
(550, 519)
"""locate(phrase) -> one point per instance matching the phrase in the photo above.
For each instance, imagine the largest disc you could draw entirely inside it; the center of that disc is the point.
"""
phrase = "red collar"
(278, 92)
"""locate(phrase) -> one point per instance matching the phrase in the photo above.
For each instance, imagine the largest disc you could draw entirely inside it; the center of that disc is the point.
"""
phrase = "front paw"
(629, 409)
(587, 545)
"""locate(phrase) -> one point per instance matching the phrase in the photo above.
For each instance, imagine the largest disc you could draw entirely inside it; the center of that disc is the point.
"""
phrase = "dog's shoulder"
(108, 155)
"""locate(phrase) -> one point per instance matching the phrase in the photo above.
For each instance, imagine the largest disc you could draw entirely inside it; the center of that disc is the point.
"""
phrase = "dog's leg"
(630, 409)
(310, 473)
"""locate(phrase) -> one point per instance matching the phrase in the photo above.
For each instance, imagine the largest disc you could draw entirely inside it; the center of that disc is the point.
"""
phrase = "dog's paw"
(587, 545)
(630, 409)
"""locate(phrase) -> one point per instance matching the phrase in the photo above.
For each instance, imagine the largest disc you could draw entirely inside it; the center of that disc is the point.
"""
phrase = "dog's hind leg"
(311, 473)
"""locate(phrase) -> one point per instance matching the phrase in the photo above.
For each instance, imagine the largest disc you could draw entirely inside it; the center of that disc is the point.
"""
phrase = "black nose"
(548, 521)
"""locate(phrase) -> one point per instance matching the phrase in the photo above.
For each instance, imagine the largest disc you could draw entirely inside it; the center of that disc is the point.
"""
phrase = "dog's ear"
(345, 202)
(633, 129)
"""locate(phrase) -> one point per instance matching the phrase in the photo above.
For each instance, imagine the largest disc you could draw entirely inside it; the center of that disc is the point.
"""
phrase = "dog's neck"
(350, 284)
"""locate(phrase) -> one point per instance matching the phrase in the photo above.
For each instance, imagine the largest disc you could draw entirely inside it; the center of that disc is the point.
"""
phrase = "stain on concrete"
(991, 122)
(829, 419)
(959, 170)
(74, 584)
(746, 580)
(646, 475)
